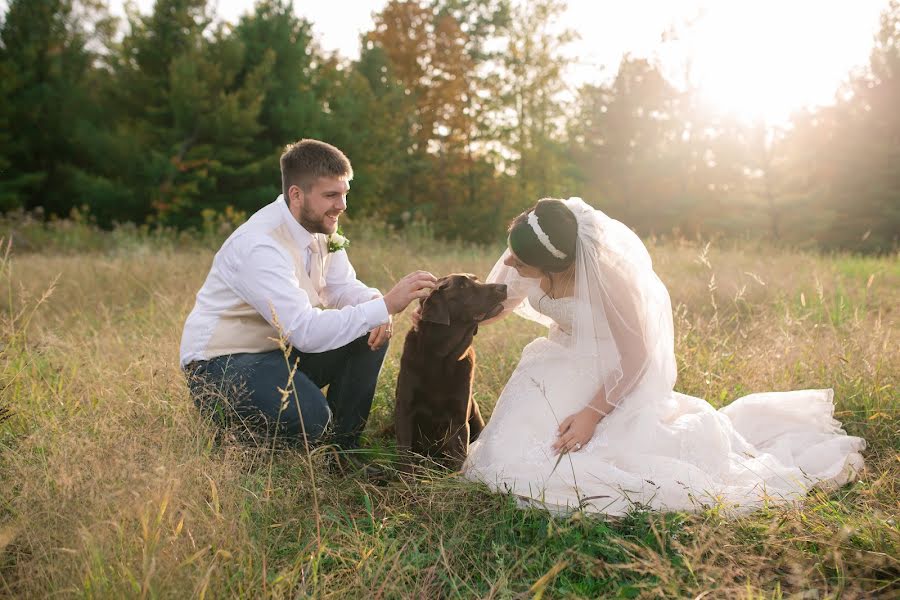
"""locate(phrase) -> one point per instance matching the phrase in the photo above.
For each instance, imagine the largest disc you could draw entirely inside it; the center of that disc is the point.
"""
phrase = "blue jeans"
(248, 390)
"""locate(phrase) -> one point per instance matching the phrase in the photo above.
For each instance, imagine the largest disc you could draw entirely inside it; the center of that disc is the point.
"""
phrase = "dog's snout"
(500, 288)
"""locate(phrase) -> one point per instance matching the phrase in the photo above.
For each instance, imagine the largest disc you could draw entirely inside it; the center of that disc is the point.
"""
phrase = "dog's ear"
(435, 309)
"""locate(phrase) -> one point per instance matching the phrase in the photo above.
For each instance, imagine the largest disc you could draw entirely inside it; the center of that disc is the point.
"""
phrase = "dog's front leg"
(403, 417)
(476, 422)
(457, 446)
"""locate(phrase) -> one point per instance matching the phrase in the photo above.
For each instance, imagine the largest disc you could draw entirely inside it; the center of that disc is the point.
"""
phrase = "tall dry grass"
(112, 486)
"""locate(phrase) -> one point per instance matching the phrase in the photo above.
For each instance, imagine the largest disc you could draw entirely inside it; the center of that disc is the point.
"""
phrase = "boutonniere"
(337, 241)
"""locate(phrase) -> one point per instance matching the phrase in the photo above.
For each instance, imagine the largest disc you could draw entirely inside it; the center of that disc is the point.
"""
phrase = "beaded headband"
(543, 237)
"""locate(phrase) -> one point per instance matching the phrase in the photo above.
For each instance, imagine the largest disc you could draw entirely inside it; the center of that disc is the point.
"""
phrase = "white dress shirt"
(259, 289)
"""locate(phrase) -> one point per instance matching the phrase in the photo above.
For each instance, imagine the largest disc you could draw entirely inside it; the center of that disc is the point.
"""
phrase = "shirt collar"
(301, 235)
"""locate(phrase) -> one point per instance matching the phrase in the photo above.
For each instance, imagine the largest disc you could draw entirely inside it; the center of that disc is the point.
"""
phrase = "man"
(279, 282)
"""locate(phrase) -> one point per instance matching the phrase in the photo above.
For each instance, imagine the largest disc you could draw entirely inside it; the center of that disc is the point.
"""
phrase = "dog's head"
(462, 300)
(451, 314)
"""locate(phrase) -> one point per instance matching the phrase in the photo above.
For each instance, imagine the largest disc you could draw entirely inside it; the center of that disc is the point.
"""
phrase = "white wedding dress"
(658, 449)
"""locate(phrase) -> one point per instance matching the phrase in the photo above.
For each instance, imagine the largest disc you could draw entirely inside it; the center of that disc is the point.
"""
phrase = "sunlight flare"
(762, 60)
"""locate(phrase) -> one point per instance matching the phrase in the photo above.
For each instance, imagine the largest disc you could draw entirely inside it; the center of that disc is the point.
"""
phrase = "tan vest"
(242, 329)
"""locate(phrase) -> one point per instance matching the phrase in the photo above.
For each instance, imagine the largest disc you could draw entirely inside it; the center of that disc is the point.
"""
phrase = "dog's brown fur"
(435, 414)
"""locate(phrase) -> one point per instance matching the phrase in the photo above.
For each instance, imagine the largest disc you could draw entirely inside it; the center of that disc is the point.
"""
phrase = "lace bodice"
(561, 310)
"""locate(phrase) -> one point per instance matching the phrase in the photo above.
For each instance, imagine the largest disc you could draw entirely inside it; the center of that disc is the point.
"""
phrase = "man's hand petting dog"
(414, 286)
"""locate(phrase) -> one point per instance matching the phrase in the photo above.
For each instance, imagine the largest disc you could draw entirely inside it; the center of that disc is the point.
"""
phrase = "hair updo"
(558, 222)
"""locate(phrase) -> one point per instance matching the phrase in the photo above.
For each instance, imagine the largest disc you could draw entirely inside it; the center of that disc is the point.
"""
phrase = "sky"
(756, 58)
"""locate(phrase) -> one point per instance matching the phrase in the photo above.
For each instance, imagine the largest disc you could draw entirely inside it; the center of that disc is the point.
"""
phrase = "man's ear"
(295, 197)
(435, 309)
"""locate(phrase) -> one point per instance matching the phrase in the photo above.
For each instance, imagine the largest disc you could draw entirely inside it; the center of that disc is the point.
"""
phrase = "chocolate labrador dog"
(435, 414)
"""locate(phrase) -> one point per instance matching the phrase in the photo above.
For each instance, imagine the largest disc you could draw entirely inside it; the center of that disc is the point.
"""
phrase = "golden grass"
(113, 486)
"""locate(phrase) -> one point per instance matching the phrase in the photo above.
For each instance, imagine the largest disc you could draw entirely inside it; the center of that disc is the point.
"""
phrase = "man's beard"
(316, 224)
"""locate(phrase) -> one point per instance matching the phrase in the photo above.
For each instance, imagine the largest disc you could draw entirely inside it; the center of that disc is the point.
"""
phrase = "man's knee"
(216, 397)
(285, 423)
(260, 406)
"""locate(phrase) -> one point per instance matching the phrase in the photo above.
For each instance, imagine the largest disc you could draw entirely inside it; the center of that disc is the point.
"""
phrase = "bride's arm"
(634, 361)
(578, 428)
(627, 331)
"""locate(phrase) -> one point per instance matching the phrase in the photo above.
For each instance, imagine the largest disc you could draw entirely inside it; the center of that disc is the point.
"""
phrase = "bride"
(589, 419)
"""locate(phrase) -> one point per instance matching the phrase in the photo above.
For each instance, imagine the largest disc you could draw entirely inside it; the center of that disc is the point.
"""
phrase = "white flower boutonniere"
(337, 241)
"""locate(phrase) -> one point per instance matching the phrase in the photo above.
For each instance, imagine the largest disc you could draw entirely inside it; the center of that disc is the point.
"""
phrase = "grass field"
(112, 486)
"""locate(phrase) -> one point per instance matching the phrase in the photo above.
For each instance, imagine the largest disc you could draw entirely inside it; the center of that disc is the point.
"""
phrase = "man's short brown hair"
(303, 162)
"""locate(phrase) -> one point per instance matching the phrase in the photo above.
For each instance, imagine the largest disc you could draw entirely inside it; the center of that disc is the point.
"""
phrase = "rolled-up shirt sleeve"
(342, 288)
(264, 278)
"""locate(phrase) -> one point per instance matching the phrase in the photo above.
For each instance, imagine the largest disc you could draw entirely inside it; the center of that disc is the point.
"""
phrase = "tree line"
(457, 113)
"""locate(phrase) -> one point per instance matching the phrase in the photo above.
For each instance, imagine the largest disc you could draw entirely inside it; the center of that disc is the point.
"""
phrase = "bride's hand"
(577, 430)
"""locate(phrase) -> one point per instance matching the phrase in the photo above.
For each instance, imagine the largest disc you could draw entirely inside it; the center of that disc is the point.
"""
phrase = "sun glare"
(762, 60)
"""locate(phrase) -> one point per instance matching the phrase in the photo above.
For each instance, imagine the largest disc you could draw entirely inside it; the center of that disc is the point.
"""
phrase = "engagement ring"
(578, 445)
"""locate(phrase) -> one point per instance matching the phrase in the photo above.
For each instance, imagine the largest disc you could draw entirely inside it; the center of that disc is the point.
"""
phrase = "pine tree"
(190, 109)
(43, 65)
(292, 106)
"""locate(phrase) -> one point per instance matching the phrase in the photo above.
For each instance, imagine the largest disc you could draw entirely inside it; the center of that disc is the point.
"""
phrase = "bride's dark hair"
(558, 222)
